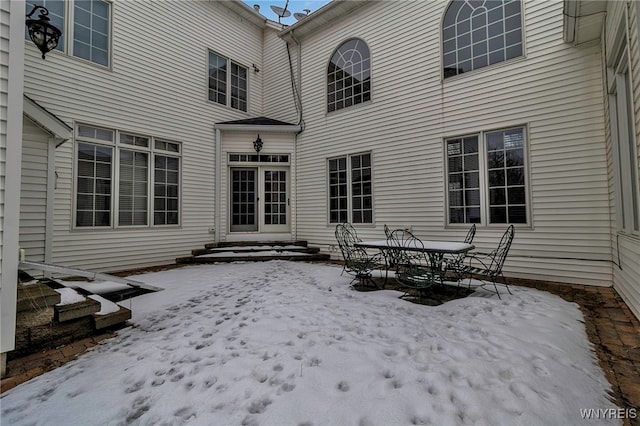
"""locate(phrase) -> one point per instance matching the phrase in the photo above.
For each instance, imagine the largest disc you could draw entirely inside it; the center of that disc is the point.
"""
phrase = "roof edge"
(46, 119)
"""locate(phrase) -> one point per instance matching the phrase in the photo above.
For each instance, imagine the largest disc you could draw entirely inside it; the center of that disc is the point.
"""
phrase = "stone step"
(36, 296)
(255, 243)
(308, 257)
(255, 249)
(76, 310)
(115, 318)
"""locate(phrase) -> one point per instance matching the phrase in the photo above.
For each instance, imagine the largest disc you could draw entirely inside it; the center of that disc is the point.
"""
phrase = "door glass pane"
(243, 217)
(275, 197)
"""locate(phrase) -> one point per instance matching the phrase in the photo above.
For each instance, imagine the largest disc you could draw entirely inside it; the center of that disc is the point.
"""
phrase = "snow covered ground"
(288, 343)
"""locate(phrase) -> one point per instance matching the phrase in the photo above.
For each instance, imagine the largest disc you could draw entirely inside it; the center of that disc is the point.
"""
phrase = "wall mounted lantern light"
(257, 144)
(44, 35)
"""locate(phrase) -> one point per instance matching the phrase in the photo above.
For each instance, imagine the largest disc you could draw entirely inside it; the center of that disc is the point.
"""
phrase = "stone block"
(76, 310)
(108, 320)
(36, 296)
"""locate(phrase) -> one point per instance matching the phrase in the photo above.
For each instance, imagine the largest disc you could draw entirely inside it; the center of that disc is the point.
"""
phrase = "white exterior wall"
(242, 143)
(625, 247)
(11, 78)
(279, 101)
(556, 91)
(156, 86)
(33, 191)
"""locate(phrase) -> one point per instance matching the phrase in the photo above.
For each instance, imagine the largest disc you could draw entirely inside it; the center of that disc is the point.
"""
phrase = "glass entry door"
(259, 199)
(275, 217)
(244, 198)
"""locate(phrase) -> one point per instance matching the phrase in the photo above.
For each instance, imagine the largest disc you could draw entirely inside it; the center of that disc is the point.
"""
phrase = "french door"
(259, 199)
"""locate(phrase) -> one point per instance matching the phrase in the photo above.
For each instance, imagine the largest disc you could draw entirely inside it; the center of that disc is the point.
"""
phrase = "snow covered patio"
(284, 343)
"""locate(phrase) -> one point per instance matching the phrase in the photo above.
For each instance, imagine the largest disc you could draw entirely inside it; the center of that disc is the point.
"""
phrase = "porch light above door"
(43, 34)
(257, 144)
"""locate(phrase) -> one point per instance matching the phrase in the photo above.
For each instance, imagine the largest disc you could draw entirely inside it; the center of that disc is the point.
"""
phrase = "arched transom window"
(478, 33)
(349, 75)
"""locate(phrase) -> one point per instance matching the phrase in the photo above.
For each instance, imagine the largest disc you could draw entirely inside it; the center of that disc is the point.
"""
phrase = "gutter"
(570, 12)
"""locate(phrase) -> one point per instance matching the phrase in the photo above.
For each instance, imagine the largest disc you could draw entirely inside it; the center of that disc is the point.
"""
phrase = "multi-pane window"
(624, 153)
(476, 34)
(349, 75)
(350, 189)
(144, 180)
(227, 82)
(91, 30)
(93, 202)
(88, 35)
(166, 190)
(486, 178)
(56, 16)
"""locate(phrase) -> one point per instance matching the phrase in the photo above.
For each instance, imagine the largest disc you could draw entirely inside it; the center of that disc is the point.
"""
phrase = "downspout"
(297, 86)
(570, 12)
(216, 198)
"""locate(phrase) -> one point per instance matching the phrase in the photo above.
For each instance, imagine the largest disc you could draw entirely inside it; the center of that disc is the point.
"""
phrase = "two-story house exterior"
(137, 134)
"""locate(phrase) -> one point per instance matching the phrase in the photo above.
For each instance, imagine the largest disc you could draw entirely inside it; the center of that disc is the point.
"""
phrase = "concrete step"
(255, 249)
(308, 257)
(256, 243)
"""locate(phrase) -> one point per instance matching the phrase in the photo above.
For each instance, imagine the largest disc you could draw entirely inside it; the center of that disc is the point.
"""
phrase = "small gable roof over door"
(263, 124)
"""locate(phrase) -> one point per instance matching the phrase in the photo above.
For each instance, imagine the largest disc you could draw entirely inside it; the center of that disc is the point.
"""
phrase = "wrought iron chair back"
(413, 269)
(455, 263)
(472, 233)
(357, 262)
(490, 265)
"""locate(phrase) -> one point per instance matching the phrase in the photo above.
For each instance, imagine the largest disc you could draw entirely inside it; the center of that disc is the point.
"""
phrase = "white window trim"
(350, 190)
(116, 146)
(228, 82)
(484, 179)
(618, 66)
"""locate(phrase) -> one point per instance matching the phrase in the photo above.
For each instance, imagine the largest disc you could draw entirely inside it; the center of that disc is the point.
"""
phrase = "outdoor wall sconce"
(257, 144)
(44, 35)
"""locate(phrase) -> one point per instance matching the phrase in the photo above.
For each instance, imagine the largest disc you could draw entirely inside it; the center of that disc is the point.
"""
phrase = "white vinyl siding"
(556, 89)
(33, 191)
(279, 99)
(134, 96)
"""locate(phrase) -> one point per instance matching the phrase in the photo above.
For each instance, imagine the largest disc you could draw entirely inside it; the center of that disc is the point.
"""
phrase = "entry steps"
(254, 251)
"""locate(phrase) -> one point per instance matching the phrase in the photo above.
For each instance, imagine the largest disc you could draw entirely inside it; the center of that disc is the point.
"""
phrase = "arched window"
(478, 33)
(349, 75)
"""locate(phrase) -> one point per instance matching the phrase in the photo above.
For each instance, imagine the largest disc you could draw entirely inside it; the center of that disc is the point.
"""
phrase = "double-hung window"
(123, 179)
(88, 35)
(227, 82)
(487, 178)
(350, 189)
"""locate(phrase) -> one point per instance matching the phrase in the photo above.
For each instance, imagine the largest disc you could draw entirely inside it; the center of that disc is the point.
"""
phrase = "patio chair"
(412, 267)
(455, 263)
(357, 262)
(488, 266)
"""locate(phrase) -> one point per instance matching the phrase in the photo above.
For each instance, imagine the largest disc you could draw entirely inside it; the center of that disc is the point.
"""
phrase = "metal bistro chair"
(455, 263)
(489, 265)
(412, 267)
(357, 262)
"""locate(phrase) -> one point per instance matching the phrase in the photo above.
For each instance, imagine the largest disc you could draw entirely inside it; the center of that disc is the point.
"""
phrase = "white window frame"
(623, 140)
(483, 170)
(116, 145)
(448, 49)
(229, 86)
(349, 184)
(66, 45)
